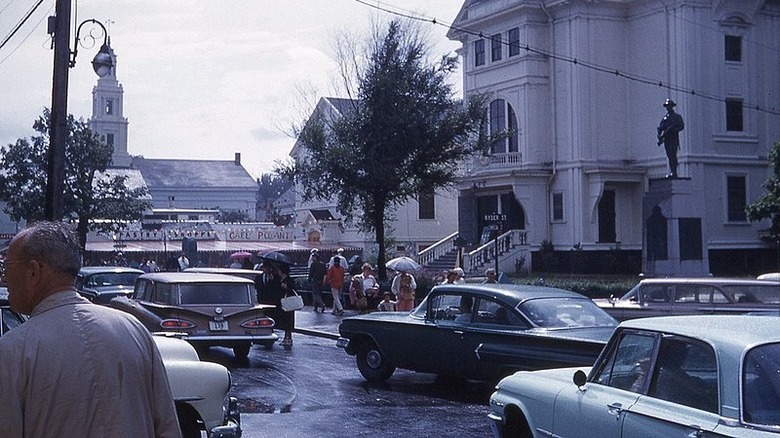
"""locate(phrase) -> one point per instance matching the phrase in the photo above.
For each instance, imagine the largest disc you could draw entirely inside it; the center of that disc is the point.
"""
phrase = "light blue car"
(692, 376)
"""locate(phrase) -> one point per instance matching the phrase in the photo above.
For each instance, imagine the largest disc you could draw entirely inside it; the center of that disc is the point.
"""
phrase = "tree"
(405, 133)
(767, 206)
(90, 192)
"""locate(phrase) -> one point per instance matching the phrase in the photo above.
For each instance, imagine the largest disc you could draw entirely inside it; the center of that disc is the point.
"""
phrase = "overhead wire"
(564, 58)
(20, 23)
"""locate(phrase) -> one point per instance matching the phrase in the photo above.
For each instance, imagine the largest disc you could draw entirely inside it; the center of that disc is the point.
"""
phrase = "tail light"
(258, 323)
(177, 324)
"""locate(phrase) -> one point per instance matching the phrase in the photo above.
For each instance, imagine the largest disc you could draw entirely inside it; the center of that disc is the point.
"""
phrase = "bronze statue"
(668, 134)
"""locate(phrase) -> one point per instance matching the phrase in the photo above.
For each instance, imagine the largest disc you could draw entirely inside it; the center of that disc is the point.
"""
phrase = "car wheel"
(241, 351)
(516, 425)
(373, 365)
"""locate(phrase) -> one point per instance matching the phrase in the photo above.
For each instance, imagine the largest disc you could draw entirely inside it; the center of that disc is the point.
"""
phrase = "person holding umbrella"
(404, 287)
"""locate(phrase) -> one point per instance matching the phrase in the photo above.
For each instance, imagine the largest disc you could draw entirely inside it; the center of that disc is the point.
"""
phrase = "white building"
(581, 84)
(416, 224)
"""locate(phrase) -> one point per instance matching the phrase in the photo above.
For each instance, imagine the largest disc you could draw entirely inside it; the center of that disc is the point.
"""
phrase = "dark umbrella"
(276, 256)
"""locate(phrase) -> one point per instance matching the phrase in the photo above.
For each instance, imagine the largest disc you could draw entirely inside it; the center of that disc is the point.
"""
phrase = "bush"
(592, 288)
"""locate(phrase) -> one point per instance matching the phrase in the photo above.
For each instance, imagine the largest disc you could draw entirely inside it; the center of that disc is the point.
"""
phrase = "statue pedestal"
(673, 235)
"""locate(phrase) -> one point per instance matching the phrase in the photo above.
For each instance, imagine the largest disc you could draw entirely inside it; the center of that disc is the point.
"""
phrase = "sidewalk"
(324, 325)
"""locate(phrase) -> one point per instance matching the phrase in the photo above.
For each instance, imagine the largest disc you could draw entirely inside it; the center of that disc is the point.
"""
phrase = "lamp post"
(58, 130)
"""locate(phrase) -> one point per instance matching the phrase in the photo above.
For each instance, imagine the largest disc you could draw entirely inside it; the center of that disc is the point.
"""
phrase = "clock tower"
(107, 119)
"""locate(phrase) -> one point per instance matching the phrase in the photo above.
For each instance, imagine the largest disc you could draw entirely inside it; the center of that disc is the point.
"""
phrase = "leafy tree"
(767, 206)
(233, 216)
(405, 133)
(90, 192)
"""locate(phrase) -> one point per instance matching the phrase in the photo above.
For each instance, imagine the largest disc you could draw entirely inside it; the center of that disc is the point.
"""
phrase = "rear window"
(761, 387)
(214, 293)
(766, 294)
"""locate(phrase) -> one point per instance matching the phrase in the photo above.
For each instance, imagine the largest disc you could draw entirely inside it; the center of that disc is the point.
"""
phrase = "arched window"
(502, 119)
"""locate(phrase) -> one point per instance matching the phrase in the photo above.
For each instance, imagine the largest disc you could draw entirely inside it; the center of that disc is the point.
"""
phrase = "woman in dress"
(286, 320)
(404, 288)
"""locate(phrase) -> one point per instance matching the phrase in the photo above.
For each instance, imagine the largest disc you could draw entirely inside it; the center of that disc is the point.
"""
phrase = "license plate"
(218, 326)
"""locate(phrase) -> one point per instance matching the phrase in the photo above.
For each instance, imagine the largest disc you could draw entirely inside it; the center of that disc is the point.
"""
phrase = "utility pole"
(58, 132)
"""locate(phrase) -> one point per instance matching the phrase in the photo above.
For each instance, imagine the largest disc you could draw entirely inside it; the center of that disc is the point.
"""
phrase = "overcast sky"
(201, 79)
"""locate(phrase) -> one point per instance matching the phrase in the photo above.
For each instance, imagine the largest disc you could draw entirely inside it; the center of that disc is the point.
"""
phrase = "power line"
(20, 24)
(572, 60)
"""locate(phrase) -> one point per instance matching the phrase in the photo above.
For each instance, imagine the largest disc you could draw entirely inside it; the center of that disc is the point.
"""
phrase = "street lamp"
(58, 131)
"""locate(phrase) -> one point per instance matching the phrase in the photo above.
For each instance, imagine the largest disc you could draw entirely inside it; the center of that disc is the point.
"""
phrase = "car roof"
(707, 280)
(87, 270)
(228, 271)
(509, 292)
(193, 277)
(737, 331)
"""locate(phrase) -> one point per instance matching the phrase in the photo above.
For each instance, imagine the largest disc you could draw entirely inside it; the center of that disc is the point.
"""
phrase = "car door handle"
(458, 332)
(615, 409)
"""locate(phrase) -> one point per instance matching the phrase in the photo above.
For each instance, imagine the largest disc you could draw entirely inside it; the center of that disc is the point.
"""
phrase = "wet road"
(316, 390)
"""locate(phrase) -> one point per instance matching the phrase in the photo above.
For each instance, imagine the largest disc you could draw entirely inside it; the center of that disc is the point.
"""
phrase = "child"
(387, 304)
(356, 290)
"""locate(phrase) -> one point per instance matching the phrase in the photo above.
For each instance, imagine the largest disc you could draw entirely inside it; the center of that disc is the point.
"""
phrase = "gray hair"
(54, 244)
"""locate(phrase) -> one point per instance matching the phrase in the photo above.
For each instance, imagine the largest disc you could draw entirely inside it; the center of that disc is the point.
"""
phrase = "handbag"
(292, 303)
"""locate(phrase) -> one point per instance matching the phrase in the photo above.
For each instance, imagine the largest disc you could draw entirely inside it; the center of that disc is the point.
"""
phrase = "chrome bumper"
(496, 423)
(232, 422)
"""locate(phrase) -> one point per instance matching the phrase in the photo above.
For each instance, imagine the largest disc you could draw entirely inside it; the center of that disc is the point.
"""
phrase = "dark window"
(734, 119)
(686, 373)
(627, 363)
(479, 53)
(606, 210)
(761, 396)
(495, 47)
(503, 120)
(733, 48)
(736, 188)
(557, 206)
(110, 139)
(427, 205)
(514, 41)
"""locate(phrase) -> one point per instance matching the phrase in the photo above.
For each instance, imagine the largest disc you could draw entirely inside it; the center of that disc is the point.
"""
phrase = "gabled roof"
(177, 174)
(331, 108)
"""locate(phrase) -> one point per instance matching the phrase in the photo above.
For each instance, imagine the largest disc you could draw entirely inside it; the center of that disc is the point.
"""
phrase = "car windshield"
(565, 312)
(113, 279)
(215, 293)
(761, 387)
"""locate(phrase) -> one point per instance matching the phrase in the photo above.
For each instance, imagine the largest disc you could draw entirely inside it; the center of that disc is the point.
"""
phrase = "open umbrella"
(403, 264)
(240, 255)
(276, 256)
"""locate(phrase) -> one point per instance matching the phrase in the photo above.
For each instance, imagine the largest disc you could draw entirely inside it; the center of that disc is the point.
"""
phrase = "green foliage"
(404, 133)
(89, 192)
(593, 288)
(233, 216)
(768, 204)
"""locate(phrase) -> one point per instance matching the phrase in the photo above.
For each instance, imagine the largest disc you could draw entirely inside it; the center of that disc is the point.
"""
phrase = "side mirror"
(612, 298)
(580, 378)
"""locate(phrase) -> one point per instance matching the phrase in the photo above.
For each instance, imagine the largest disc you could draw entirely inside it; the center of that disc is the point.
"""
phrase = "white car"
(200, 391)
(691, 376)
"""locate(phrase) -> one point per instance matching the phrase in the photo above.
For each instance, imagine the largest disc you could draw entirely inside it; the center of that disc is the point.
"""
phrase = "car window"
(760, 386)
(164, 294)
(627, 364)
(494, 313)
(451, 307)
(10, 320)
(767, 294)
(214, 293)
(564, 312)
(656, 293)
(143, 290)
(693, 294)
(686, 373)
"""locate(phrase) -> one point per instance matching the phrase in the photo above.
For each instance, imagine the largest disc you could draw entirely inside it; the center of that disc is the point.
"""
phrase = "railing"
(506, 159)
(438, 249)
(485, 253)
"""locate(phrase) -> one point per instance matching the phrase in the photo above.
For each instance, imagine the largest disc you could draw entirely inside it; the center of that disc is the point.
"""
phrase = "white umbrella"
(403, 264)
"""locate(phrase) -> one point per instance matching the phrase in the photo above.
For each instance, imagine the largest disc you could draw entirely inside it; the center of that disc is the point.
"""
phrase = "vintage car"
(675, 376)
(8, 318)
(100, 284)
(249, 274)
(207, 309)
(199, 388)
(479, 331)
(200, 391)
(691, 296)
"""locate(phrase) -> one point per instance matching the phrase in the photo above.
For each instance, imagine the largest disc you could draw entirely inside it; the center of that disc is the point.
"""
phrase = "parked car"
(691, 296)
(100, 284)
(207, 309)
(8, 318)
(199, 388)
(249, 274)
(702, 375)
(200, 391)
(479, 331)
